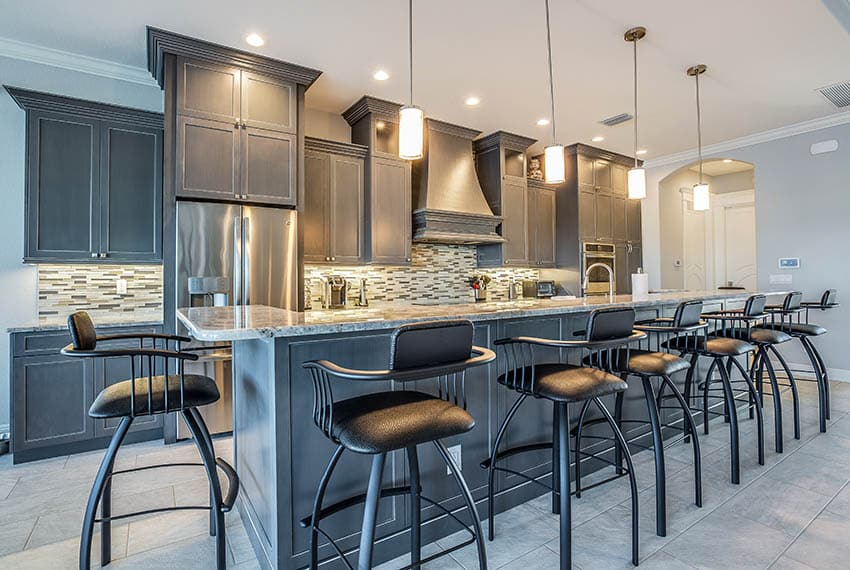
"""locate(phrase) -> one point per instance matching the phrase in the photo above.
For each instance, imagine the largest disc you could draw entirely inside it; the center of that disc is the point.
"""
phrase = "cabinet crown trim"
(504, 139)
(368, 104)
(541, 185)
(335, 147)
(450, 129)
(600, 153)
(161, 42)
(39, 101)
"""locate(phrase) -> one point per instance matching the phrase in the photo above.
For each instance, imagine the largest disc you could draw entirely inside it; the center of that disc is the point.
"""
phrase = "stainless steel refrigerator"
(229, 254)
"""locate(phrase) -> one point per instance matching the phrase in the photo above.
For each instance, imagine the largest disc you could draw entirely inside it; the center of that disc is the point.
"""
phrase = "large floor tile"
(824, 543)
(785, 563)
(164, 529)
(663, 561)
(540, 559)
(195, 552)
(14, 535)
(821, 475)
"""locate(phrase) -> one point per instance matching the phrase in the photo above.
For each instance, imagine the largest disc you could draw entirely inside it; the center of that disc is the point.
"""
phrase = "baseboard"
(5, 428)
(804, 371)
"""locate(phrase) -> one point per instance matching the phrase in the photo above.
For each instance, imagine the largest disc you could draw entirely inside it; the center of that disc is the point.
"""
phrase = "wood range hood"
(449, 205)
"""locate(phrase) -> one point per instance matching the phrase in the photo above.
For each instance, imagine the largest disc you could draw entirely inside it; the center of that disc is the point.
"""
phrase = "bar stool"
(724, 354)
(734, 324)
(145, 395)
(792, 323)
(563, 384)
(379, 423)
(647, 364)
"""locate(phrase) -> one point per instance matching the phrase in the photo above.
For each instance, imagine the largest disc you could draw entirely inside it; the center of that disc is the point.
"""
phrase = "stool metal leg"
(658, 452)
(563, 428)
(106, 525)
(415, 507)
(795, 396)
(317, 507)
(470, 502)
(97, 491)
(688, 421)
(370, 512)
(618, 417)
(689, 378)
(556, 461)
(579, 430)
(823, 401)
(778, 436)
(825, 373)
(491, 470)
(209, 443)
(705, 388)
(734, 439)
(754, 395)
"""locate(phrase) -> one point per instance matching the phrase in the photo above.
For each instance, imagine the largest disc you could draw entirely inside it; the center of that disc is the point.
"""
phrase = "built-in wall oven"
(599, 281)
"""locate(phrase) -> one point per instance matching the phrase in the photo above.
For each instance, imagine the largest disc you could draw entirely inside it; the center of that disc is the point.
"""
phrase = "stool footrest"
(351, 501)
(516, 450)
(153, 511)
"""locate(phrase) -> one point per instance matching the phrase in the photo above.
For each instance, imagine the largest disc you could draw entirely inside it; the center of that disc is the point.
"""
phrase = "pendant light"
(411, 119)
(637, 175)
(702, 196)
(553, 155)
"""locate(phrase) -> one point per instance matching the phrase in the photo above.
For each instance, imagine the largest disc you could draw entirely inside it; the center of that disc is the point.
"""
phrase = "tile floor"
(793, 513)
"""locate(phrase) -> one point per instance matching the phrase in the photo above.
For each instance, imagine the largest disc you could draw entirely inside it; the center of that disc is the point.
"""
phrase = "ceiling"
(765, 57)
(720, 167)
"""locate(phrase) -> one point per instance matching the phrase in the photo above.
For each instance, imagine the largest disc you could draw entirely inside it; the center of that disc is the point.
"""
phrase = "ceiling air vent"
(838, 94)
(616, 119)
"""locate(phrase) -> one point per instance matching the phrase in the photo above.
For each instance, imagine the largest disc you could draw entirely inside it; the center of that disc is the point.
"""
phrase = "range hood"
(449, 206)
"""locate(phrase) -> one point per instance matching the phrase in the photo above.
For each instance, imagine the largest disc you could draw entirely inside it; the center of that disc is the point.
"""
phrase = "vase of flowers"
(478, 283)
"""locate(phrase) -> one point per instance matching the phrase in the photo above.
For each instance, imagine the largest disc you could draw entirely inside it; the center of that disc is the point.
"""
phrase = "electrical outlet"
(781, 279)
(454, 451)
(121, 286)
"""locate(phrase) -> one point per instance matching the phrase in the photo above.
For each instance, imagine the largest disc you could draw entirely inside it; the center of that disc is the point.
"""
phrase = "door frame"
(720, 204)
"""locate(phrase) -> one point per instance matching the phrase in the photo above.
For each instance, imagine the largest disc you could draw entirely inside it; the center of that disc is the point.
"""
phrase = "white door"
(740, 250)
(695, 274)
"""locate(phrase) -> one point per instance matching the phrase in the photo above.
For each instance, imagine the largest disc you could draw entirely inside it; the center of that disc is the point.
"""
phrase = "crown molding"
(508, 140)
(367, 104)
(74, 62)
(833, 120)
(335, 147)
(38, 101)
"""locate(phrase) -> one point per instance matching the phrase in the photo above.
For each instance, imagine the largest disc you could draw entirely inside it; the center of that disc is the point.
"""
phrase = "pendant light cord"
(551, 81)
(634, 44)
(699, 130)
(410, 45)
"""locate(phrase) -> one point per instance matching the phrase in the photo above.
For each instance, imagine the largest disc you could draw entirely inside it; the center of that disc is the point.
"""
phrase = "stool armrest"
(153, 352)
(666, 326)
(126, 336)
(589, 344)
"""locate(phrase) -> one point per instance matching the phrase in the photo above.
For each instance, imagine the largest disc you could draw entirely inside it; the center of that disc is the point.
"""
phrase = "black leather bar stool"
(724, 354)
(735, 324)
(791, 321)
(379, 423)
(145, 394)
(648, 363)
(564, 384)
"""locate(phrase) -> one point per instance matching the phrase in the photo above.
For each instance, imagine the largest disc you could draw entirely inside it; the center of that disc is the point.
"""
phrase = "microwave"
(539, 289)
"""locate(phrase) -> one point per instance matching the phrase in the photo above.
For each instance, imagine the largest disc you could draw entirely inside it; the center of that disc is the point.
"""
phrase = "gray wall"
(18, 296)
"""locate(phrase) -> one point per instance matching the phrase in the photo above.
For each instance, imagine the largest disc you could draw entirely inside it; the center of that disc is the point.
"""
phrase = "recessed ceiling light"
(380, 75)
(597, 139)
(641, 151)
(472, 101)
(255, 40)
(727, 160)
(542, 122)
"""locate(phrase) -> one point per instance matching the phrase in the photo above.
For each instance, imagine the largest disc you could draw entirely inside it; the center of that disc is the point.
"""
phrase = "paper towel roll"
(640, 285)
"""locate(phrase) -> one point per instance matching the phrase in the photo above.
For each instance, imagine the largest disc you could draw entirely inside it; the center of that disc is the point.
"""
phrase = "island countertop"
(244, 322)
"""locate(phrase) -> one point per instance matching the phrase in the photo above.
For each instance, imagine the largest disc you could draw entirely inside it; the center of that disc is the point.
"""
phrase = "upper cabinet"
(387, 227)
(94, 181)
(235, 134)
(541, 224)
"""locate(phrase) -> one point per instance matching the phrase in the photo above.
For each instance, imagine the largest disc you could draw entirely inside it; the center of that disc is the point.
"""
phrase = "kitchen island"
(280, 455)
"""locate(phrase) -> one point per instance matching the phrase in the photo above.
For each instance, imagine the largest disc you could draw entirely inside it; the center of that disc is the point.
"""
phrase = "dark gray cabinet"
(541, 224)
(333, 201)
(94, 181)
(388, 229)
(236, 134)
(500, 165)
(51, 395)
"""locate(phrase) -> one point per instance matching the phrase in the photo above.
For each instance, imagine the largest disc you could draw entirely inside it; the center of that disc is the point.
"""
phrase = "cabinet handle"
(333, 259)
(244, 125)
(236, 125)
(102, 255)
(95, 255)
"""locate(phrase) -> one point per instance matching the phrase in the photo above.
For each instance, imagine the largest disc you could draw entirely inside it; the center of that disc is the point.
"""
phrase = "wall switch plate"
(121, 286)
(454, 451)
(789, 263)
(677, 263)
(782, 279)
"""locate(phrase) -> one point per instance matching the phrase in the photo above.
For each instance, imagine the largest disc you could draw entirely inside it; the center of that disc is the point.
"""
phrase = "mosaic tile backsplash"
(437, 273)
(64, 288)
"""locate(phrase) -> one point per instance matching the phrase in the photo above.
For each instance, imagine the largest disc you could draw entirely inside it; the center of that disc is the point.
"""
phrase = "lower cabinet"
(51, 395)
(628, 259)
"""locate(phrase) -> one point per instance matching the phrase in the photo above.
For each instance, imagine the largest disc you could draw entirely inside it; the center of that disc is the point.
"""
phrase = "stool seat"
(646, 362)
(804, 329)
(568, 383)
(714, 345)
(757, 335)
(386, 421)
(114, 400)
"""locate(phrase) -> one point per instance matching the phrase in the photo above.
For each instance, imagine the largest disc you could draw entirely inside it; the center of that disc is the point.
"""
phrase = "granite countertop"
(100, 321)
(260, 321)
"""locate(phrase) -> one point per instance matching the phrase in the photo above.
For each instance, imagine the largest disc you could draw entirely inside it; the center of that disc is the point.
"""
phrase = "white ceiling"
(721, 167)
(765, 57)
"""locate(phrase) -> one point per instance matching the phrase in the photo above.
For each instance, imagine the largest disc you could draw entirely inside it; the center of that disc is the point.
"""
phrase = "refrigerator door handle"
(246, 269)
(237, 260)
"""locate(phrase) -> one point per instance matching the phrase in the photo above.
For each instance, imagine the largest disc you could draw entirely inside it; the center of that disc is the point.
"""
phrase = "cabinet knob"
(333, 259)
(327, 259)
(102, 255)
(236, 125)
(95, 255)
(244, 125)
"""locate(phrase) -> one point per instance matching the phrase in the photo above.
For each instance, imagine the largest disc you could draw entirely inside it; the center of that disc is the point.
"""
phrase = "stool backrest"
(829, 297)
(755, 305)
(609, 324)
(792, 301)
(430, 344)
(687, 314)
(81, 327)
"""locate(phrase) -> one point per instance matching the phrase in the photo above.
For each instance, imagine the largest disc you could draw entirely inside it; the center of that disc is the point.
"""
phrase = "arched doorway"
(713, 248)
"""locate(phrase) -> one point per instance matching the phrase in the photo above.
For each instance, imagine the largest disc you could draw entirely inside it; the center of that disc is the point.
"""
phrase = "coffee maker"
(336, 292)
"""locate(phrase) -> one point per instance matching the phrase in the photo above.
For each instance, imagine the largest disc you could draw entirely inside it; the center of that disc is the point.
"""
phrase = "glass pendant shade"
(702, 197)
(637, 183)
(553, 161)
(410, 132)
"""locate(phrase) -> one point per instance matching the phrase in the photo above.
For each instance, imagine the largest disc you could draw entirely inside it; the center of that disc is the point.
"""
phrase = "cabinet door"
(515, 219)
(268, 103)
(208, 91)
(619, 180)
(268, 167)
(618, 217)
(585, 170)
(131, 193)
(63, 169)
(635, 257)
(51, 396)
(544, 220)
(604, 223)
(390, 211)
(633, 221)
(346, 209)
(621, 269)
(587, 215)
(207, 159)
(533, 229)
(602, 175)
(317, 205)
